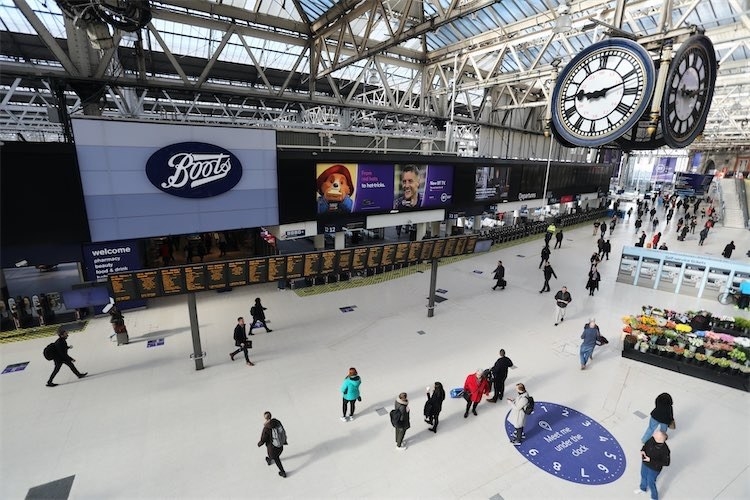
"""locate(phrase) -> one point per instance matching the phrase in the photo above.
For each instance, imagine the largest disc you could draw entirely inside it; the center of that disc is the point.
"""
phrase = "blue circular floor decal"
(570, 445)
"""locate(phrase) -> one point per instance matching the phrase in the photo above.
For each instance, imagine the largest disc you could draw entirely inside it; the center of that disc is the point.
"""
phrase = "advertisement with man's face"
(344, 188)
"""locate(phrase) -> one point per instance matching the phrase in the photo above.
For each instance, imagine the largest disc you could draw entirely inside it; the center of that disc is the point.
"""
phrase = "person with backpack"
(521, 406)
(258, 316)
(476, 385)
(274, 437)
(434, 405)
(589, 336)
(350, 393)
(400, 419)
(58, 352)
(241, 342)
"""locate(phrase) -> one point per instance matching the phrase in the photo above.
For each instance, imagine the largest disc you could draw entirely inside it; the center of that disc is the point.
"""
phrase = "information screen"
(147, 284)
(415, 249)
(450, 247)
(426, 253)
(402, 253)
(329, 262)
(276, 268)
(359, 261)
(195, 278)
(374, 257)
(389, 252)
(345, 260)
(257, 270)
(438, 248)
(295, 265)
(237, 273)
(217, 275)
(173, 281)
(312, 264)
(123, 286)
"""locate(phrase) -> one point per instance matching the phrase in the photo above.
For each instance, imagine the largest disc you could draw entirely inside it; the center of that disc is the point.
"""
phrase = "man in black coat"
(499, 276)
(607, 249)
(545, 255)
(240, 340)
(258, 315)
(63, 358)
(558, 239)
(548, 273)
(499, 374)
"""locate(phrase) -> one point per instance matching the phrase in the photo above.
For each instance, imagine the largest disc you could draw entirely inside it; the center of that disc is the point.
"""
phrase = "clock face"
(688, 92)
(570, 445)
(602, 92)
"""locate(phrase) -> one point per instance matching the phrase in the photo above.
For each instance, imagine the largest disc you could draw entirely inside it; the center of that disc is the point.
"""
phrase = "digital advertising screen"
(345, 188)
(491, 183)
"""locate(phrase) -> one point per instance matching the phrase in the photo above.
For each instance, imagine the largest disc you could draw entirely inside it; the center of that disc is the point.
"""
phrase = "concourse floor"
(145, 424)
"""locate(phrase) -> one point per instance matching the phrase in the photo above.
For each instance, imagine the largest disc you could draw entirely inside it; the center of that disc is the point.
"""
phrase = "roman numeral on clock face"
(623, 109)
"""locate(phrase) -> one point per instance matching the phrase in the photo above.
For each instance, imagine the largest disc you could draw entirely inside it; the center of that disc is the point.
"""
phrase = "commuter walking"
(350, 394)
(548, 273)
(642, 239)
(703, 235)
(274, 437)
(592, 284)
(655, 455)
(558, 239)
(607, 248)
(727, 253)
(475, 386)
(517, 415)
(61, 357)
(662, 416)
(240, 340)
(401, 407)
(638, 224)
(499, 276)
(434, 405)
(589, 336)
(258, 314)
(545, 255)
(499, 375)
(562, 299)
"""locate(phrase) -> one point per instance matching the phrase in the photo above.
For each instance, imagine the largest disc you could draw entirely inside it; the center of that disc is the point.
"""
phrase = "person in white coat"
(517, 416)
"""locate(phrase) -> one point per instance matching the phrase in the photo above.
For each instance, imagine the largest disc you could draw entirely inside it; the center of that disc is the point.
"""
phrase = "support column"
(339, 243)
(4, 294)
(319, 241)
(449, 225)
(197, 349)
(477, 223)
(421, 230)
(433, 284)
(435, 229)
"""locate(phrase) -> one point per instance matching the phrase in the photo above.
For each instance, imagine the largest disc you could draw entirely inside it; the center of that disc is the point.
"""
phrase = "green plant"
(723, 362)
(738, 355)
(741, 323)
(711, 360)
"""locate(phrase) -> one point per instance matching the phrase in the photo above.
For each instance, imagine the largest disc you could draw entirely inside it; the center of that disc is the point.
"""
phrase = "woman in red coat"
(476, 385)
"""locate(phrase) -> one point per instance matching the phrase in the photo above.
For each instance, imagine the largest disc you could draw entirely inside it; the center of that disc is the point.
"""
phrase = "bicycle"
(729, 296)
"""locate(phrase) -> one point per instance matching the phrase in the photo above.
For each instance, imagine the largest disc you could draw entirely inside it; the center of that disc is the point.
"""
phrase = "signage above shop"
(193, 170)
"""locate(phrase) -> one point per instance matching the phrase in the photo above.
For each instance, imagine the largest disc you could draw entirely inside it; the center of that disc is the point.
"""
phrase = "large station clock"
(602, 92)
(688, 91)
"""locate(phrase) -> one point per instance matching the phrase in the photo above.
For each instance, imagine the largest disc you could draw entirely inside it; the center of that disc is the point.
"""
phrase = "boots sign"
(193, 170)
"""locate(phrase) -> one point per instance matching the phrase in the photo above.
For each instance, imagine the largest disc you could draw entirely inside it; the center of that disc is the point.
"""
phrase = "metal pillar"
(198, 353)
(433, 284)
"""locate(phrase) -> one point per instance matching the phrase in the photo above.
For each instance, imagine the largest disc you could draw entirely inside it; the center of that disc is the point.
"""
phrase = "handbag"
(672, 424)
(249, 344)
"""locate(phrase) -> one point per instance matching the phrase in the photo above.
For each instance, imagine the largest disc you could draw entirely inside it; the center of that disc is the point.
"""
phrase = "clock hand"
(578, 95)
(690, 92)
(602, 92)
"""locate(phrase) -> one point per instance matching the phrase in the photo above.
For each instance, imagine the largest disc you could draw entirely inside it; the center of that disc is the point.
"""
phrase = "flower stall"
(694, 343)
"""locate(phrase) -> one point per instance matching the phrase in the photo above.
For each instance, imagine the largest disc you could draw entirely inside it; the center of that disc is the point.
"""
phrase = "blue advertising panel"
(570, 445)
(102, 259)
(438, 186)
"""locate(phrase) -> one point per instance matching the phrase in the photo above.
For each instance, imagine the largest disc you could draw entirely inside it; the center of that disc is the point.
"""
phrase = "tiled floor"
(147, 425)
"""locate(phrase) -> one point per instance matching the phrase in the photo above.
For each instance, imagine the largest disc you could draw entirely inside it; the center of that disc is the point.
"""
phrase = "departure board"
(470, 244)
(172, 280)
(438, 248)
(415, 249)
(123, 286)
(359, 261)
(426, 253)
(216, 275)
(257, 270)
(389, 251)
(402, 253)
(329, 262)
(450, 247)
(237, 270)
(295, 265)
(195, 278)
(312, 264)
(345, 260)
(374, 257)
(276, 268)
(147, 284)
(460, 245)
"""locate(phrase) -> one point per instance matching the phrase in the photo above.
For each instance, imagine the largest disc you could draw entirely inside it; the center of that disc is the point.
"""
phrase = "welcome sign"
(194, 170)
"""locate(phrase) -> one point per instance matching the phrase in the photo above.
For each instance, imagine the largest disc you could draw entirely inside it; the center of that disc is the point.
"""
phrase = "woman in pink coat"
(477, 385)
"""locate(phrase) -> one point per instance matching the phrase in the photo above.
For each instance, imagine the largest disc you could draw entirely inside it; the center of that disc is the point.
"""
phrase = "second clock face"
(602, 92)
